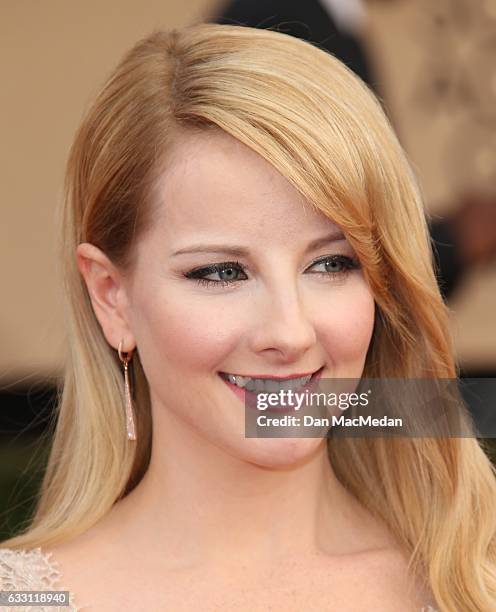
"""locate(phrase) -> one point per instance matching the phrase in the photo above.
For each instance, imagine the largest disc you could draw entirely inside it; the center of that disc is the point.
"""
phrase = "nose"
(284, 332)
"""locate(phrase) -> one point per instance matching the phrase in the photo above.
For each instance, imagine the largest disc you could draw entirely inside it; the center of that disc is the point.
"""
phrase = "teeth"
(250, 385)
(269, 385)
(286, 385)
(272, 386)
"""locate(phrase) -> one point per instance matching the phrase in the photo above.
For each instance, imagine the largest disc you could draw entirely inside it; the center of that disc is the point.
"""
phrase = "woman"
(238, 206)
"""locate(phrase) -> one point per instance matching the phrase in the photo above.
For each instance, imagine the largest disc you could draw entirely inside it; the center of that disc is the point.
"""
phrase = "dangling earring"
(131, 431)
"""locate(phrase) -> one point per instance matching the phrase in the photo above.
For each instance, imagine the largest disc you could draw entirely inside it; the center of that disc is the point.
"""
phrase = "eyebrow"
(240, 251)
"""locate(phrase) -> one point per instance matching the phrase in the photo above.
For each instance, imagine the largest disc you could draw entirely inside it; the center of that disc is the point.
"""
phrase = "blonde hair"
(321, 128)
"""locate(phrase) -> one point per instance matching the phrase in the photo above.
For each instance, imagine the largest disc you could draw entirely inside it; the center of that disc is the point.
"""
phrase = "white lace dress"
(32, 570)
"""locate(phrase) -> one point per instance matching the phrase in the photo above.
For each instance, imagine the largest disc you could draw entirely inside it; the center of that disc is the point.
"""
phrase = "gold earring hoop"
(126, 358)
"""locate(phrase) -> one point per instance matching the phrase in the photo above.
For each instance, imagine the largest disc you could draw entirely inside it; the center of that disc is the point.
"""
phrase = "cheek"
(197, 333)
(346, 333)
(187, 332)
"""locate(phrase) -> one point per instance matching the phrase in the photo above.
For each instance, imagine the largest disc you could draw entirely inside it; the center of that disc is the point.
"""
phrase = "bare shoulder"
(381, 579)
(90, 572)
(373, 581)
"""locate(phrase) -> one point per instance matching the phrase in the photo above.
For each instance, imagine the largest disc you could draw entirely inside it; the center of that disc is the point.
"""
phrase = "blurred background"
(432, 64)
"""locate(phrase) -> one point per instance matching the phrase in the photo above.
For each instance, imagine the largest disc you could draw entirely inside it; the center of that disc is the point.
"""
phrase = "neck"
(198, 506)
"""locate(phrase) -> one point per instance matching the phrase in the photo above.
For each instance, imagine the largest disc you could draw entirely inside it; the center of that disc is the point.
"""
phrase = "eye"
(228, 273)
(231, 272)
(335, 265)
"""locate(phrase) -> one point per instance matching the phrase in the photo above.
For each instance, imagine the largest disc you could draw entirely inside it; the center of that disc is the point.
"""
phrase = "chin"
(280, 453)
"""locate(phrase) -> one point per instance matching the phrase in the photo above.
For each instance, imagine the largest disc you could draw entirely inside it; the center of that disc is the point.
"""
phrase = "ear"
(108, 295)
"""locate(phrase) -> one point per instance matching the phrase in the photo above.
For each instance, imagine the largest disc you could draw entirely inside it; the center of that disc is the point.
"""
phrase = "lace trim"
(32, 570)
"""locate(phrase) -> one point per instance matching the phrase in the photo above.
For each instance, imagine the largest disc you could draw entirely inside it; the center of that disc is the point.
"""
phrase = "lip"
(250, 397)
(275, 376)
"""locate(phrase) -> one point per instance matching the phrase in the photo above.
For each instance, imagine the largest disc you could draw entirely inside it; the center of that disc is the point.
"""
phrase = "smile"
(267, 384)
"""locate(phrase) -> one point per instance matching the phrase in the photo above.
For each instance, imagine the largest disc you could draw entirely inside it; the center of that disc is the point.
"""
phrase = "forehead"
(213, 183)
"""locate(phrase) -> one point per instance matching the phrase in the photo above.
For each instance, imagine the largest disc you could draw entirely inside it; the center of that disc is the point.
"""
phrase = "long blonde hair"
(321, 128)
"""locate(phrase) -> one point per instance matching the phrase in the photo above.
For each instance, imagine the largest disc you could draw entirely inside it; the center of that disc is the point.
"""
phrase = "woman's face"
(278, 309)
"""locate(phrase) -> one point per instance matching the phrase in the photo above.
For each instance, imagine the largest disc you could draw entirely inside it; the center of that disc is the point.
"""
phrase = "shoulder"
(387, 574)
(31, 570)
(26, 570)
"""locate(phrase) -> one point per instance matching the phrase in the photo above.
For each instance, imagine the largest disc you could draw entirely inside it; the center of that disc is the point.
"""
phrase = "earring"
(131, 431)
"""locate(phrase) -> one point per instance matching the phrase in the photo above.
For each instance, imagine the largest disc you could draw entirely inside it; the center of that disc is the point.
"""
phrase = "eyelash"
(349, 263)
